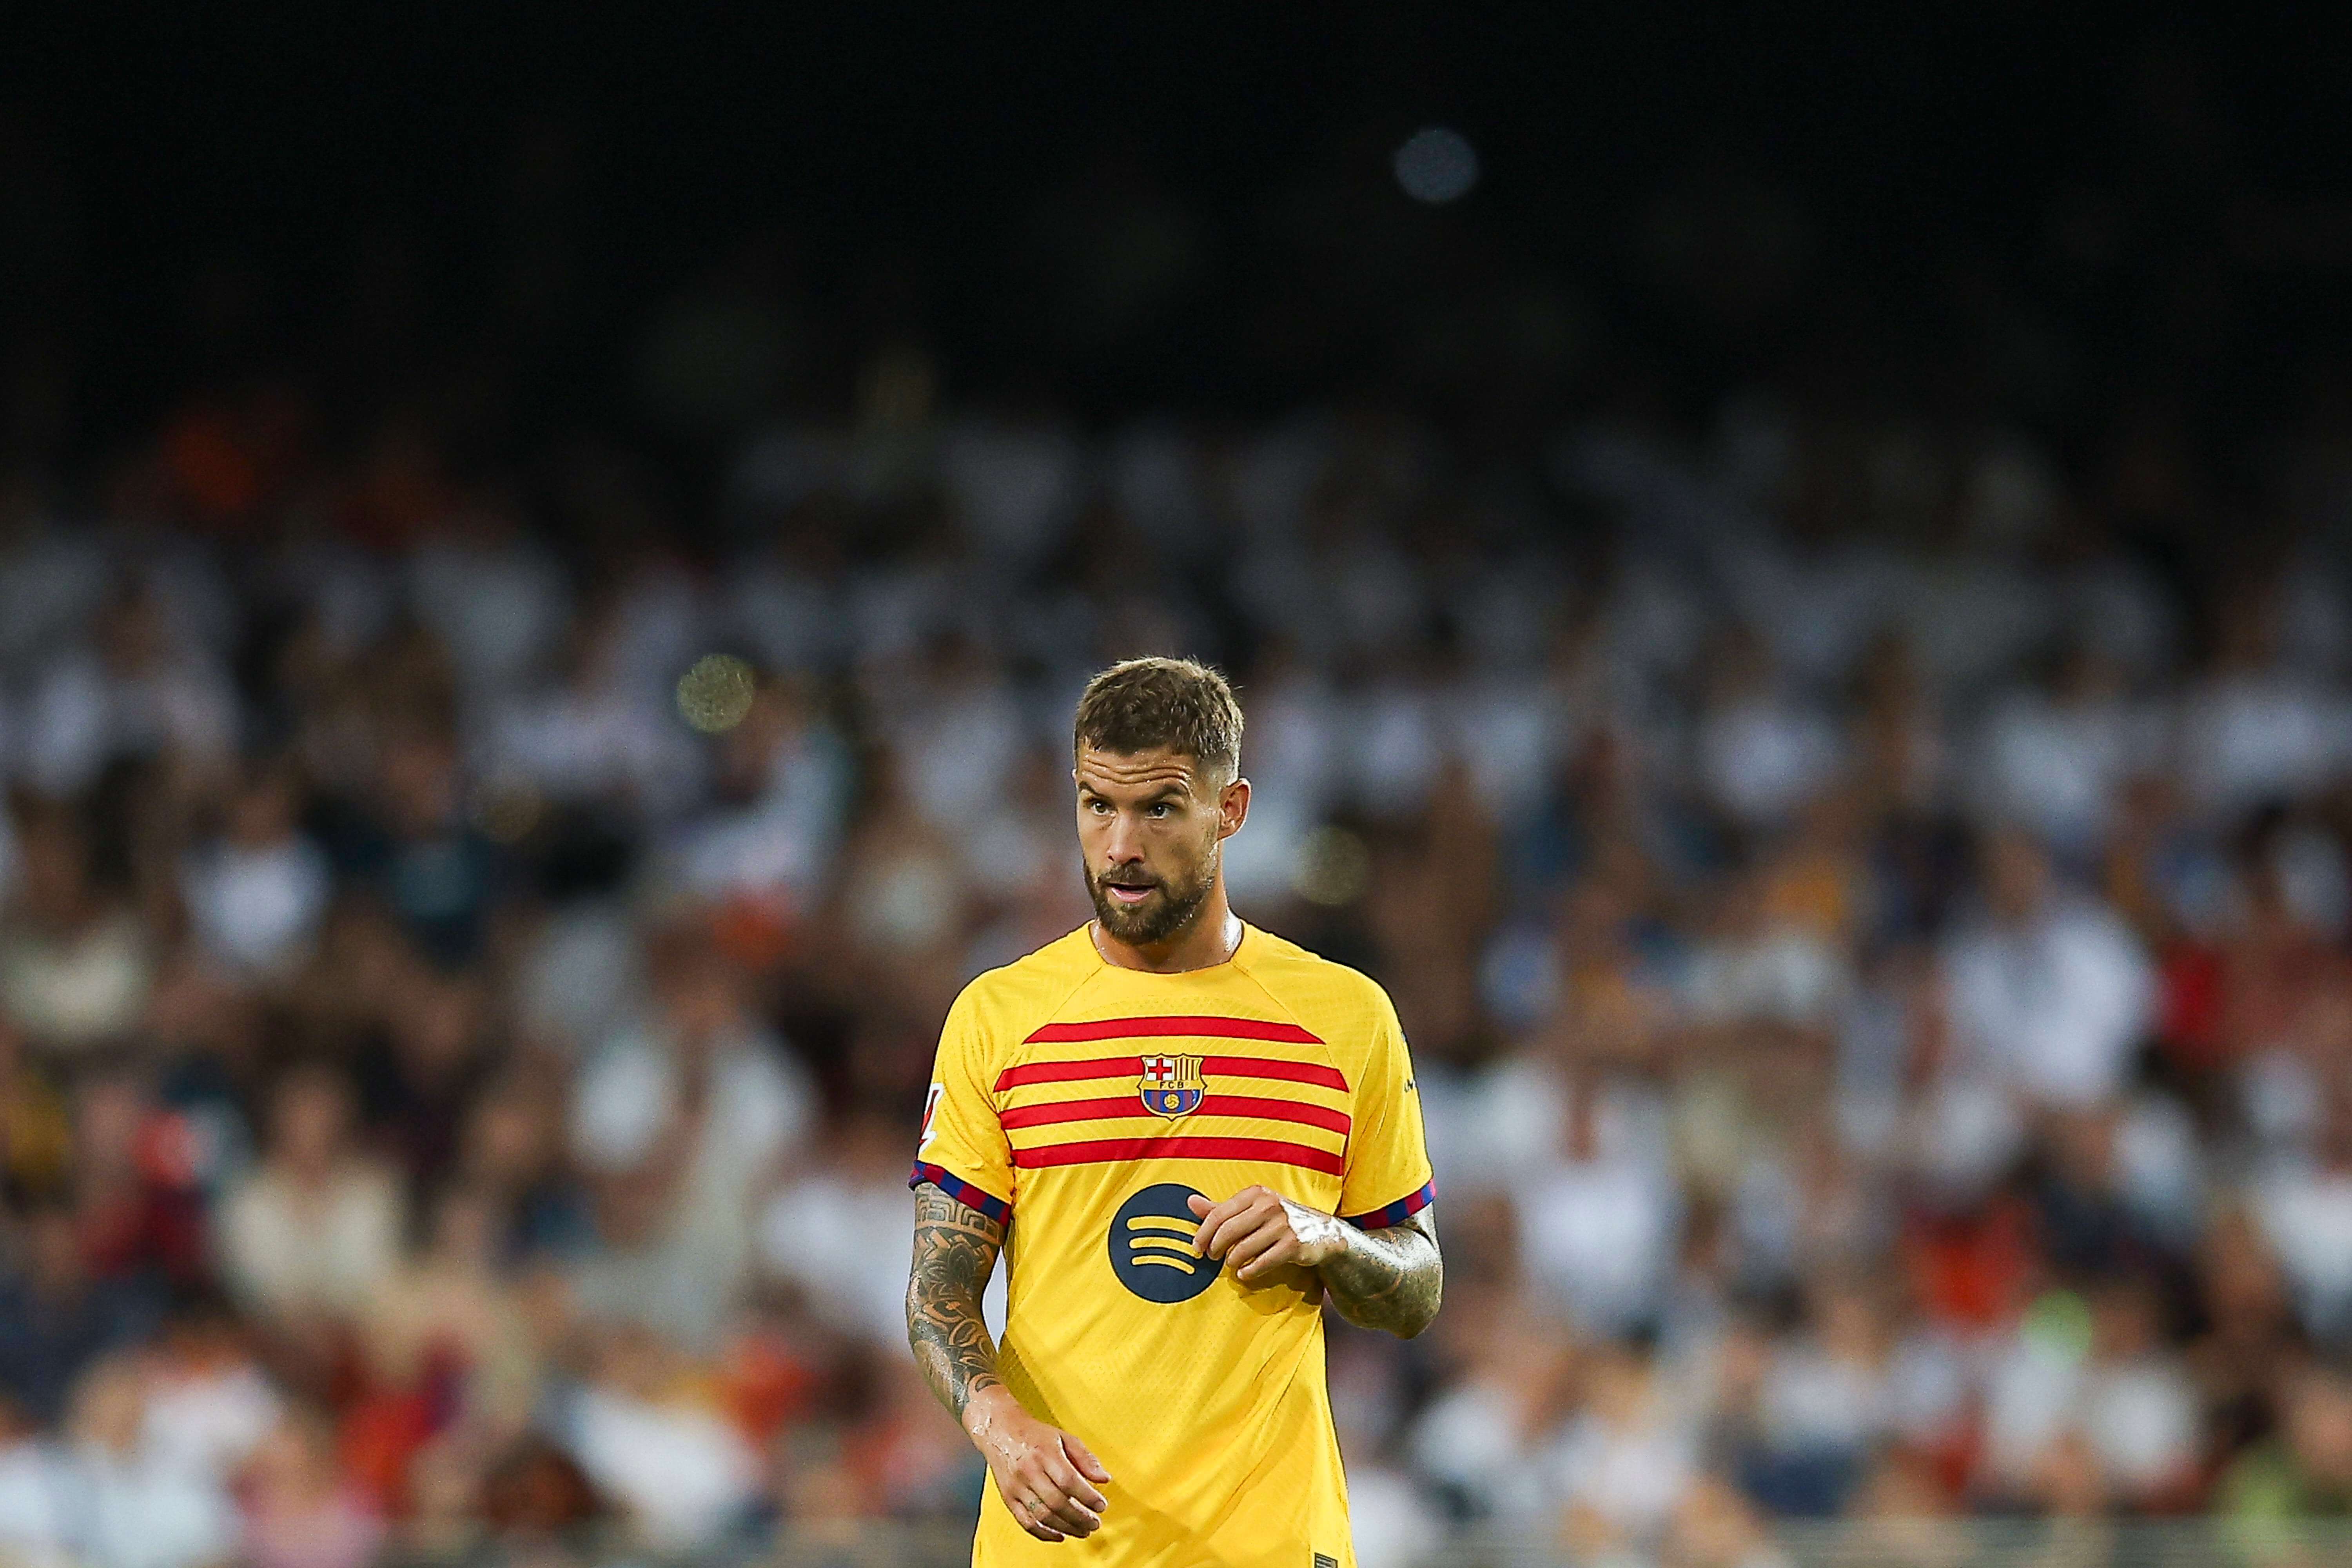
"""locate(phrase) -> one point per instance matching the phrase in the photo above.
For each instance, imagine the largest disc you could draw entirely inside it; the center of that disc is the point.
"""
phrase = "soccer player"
(1193, 1132)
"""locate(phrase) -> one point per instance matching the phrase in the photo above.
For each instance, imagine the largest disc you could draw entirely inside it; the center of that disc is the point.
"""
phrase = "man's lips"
(1129, 895)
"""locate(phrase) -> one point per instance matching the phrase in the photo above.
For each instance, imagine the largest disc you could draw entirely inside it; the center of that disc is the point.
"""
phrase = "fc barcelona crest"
(1171, 1086)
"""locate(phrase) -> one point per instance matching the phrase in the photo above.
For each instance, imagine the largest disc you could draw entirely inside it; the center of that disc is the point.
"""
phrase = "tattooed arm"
(955, 1252)
(1047, 1476)
(1390, 1278)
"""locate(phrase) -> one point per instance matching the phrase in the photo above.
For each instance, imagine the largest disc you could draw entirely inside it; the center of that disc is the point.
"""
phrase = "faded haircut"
(1152, 704)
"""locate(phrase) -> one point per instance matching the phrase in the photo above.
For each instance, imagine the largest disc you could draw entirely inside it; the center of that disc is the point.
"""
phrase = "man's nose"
(1123, 843)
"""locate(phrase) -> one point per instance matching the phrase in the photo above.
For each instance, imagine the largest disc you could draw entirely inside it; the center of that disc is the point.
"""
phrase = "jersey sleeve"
(963, 1150)
(1387, 1176)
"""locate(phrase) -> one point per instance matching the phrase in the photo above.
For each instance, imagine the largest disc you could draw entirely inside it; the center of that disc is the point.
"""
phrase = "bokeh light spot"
(1437, 165)
(1334, 867)
(716, 693)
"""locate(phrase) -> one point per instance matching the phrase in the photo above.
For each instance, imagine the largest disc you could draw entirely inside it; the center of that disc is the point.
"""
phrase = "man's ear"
(1233, 807)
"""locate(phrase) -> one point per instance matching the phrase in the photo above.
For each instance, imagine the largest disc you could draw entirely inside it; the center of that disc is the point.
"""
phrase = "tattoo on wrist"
(1390, 1278)
(955, 1251)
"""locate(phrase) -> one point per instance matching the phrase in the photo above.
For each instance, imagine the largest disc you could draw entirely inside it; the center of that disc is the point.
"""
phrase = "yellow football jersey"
(1085, 1102)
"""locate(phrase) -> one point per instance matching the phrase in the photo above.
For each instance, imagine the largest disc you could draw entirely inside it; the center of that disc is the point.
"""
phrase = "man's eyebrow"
(1173, 790)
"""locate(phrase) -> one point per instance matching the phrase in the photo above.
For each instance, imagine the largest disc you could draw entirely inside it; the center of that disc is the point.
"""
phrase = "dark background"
(2032, 210)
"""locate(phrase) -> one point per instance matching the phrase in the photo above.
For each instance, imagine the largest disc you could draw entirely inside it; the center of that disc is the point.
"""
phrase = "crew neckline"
(1104, 960)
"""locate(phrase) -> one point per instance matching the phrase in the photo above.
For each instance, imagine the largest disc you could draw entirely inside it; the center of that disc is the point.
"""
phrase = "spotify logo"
(1152, 1246)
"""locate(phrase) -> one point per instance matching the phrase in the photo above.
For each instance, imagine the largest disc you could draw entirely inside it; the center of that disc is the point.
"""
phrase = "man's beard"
(1174, 904)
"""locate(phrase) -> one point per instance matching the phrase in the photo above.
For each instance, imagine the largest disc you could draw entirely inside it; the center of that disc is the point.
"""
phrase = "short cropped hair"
(1149, 704)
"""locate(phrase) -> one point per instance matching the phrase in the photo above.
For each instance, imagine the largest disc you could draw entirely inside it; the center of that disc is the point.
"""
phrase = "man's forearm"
(1389, 1279)
(955, 1251)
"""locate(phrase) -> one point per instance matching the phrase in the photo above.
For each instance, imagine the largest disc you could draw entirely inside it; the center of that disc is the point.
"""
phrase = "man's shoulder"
(1305, 980)
(1040, 980)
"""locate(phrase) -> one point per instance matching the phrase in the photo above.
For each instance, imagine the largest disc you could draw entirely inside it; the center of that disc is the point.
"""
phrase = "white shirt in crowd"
(2139, 1416)
(845, 1242)
(2058, 766)
(256, 907)
(286, 1250)
(2055, 1006)
(2306, 1211)
(684, 1474)
(682, 1279)
(80, 1506)
(1598, 1234)
(1761, 757)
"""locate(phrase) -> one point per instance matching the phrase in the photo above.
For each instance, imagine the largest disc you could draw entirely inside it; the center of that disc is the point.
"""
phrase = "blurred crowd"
(1869, 900)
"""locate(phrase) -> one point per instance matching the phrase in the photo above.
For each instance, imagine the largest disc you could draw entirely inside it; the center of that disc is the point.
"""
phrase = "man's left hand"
(1257, 1231)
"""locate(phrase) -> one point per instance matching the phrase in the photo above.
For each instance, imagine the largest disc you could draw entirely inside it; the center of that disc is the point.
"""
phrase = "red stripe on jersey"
(1132, 1067)
(1103, 1150)
(1213, 1105)
(1296, 1111)
(1067, 1072)
(1178, 1024)
(1273, 1067)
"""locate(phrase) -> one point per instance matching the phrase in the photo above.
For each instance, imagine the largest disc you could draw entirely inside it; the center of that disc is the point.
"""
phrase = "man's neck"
(1209, 940)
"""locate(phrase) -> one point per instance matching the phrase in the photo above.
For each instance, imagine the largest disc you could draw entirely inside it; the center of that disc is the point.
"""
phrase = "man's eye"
(1160, 810)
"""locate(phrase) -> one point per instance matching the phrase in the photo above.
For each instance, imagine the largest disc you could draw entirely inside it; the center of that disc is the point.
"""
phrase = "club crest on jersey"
(1171, 1086)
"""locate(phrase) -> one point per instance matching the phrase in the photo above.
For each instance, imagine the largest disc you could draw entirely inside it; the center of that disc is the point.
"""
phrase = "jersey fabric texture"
(1085, 1102)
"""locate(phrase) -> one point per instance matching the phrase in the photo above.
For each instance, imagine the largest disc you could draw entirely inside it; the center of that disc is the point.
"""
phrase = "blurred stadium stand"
(1810, 657)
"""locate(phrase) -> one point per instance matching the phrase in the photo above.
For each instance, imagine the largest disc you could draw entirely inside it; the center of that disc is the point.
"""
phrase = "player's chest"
(1122, 1085)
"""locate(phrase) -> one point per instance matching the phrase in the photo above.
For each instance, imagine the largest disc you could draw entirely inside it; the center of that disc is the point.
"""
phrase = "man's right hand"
(1047, 1476)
